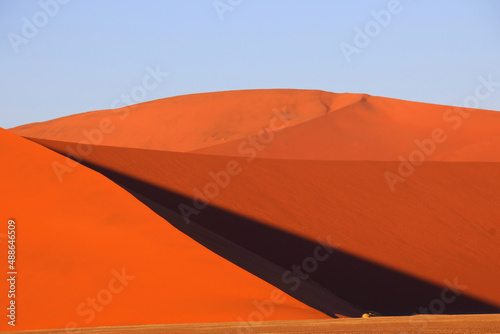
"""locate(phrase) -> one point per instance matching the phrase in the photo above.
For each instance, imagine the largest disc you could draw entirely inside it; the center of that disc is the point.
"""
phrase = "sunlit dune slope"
(378, 128)
(439, 226)
(288, 124)
(189, 122)
(89, 254)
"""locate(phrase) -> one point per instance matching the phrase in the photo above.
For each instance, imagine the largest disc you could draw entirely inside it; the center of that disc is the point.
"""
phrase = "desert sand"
(348, 203)
(437, 324)
(86, 237)
(316, 125)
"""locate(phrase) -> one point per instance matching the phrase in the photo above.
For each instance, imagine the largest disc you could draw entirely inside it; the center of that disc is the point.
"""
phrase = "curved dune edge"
(419, 230)
(86, 237)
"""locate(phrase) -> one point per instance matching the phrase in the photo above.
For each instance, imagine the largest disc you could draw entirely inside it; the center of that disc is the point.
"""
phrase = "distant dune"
(382, 129)
(299, 124)
(349, 203)
(186, 123)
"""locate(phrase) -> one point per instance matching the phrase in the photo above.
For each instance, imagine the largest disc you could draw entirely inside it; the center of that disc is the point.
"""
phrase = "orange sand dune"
(377, 128)
(288, 124)
(438, 227)
(189, 122)
(86, 238)
(404, 193)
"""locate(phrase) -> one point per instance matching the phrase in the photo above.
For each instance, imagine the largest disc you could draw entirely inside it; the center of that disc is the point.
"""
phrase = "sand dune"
(438, 225)
(88, 238)
(381, 129)
(347, 202)
(186, 123)
(287, 124)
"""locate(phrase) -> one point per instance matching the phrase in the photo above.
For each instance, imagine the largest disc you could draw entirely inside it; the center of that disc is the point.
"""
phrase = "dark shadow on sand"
(341, 284)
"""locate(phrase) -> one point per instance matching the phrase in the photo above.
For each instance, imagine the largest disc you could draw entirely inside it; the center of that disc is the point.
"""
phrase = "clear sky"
(63, 57)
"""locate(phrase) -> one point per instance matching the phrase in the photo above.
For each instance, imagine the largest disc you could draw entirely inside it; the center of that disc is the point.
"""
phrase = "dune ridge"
(87, 237)
(408, 231)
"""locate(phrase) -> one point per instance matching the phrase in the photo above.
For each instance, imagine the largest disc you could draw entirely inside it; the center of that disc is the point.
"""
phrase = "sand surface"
(442, 324)
(86, 237)
(347, 202)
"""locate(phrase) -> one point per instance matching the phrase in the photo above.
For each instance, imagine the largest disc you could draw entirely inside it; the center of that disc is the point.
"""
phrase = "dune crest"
(87, 237)
(184, 123)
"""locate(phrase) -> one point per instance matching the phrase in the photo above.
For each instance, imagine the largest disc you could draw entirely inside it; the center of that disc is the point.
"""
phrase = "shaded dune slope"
(394, 253)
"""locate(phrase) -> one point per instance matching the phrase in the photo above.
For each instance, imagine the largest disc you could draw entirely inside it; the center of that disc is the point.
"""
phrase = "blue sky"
(85, 54)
